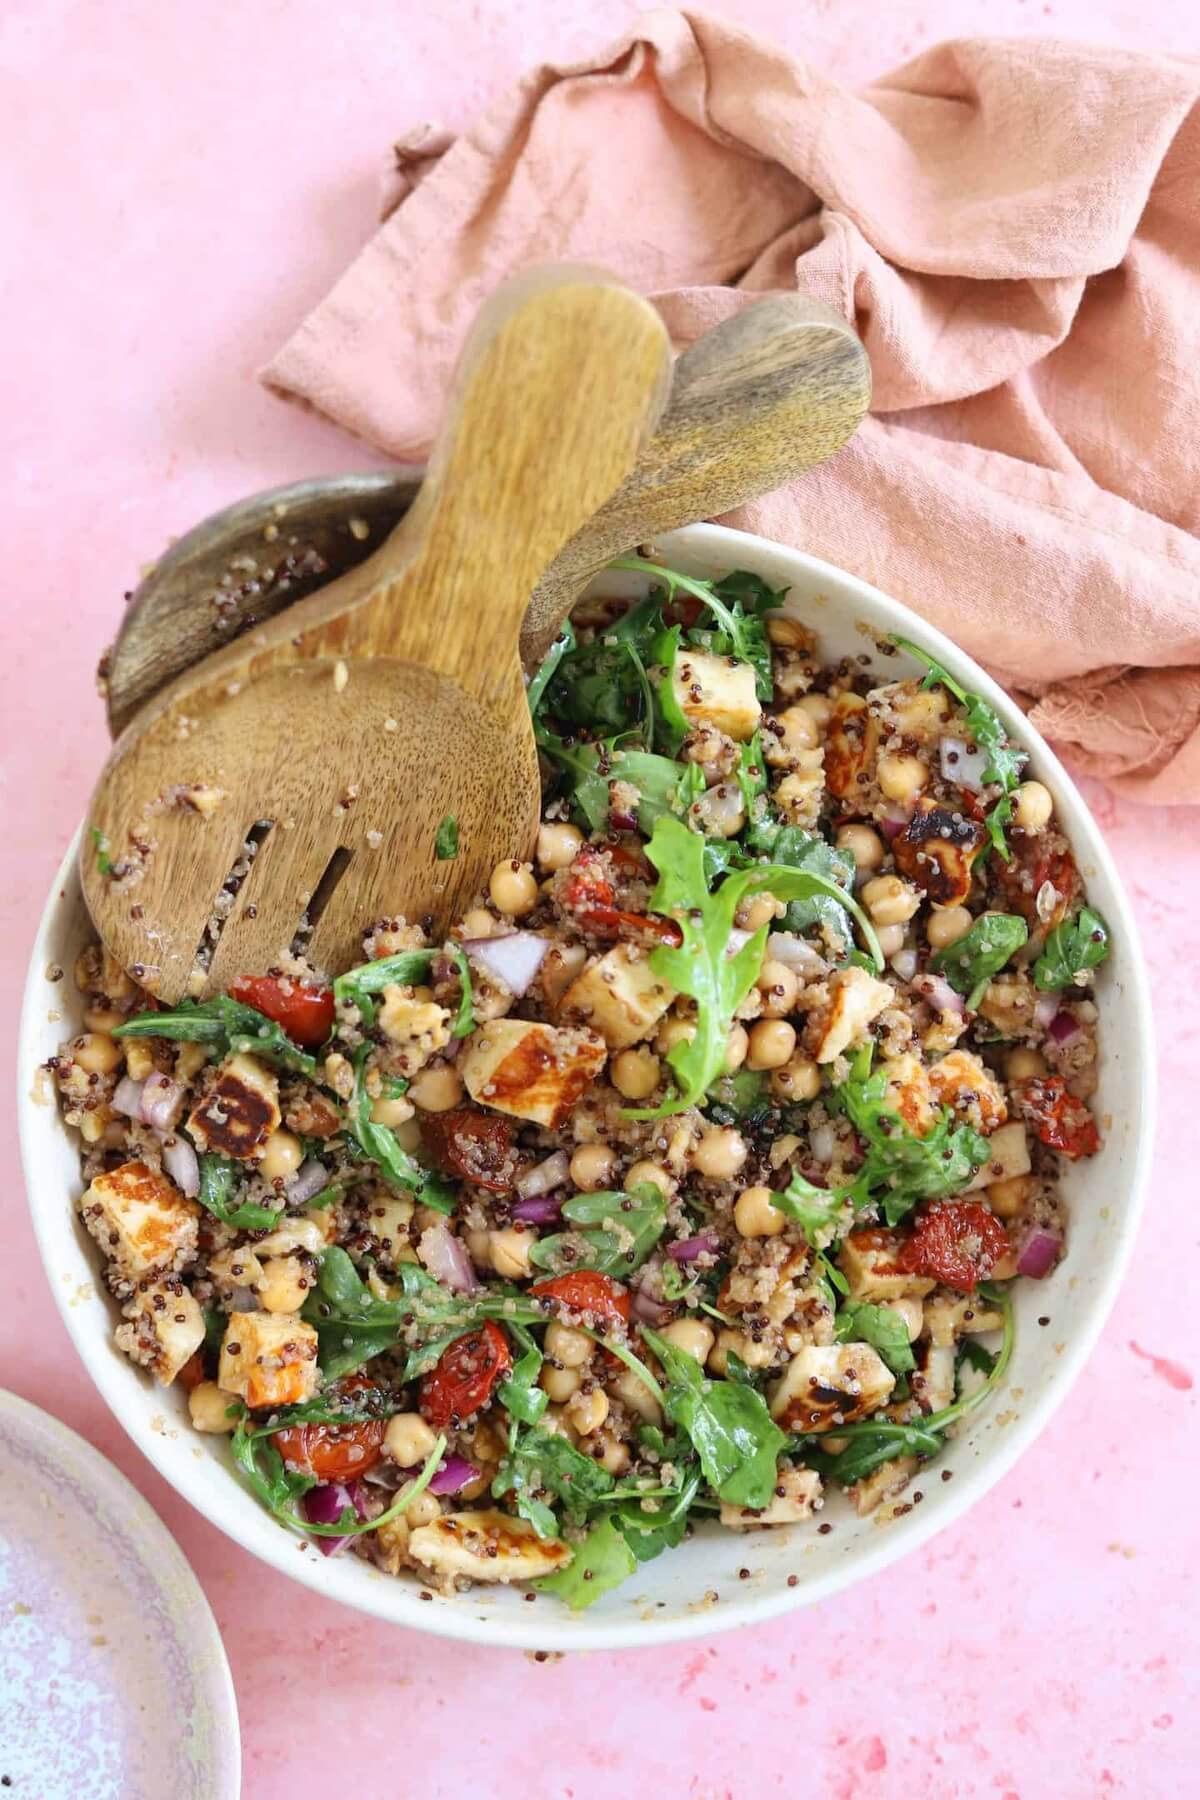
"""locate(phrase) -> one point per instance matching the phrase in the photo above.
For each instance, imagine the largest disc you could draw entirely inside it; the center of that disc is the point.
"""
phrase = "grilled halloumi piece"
(165, 1328)
(531, 1071)
(933, 1379)
(867, 1259)
(140, 1219)
(269, 1359)
(1010, 1156)
(910, 1093)
(488, 1545)
(797, 1496)
(851, 742)
(829, 1385)
(240, 1111)
(951, 1316)
(883, 1483)
(717, 690)
(961, 1082)
(619, 996)
(857, 999)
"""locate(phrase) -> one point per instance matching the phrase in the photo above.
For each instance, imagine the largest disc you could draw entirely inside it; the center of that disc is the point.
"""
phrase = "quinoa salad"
(687, 1178)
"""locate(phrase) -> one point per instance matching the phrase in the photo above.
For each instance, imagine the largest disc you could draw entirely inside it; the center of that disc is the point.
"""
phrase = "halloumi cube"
(166, 1327)
(851, 741)
(531, 1071)
(951, 1316)
(857, 999)
(797, 1496)
(883, 1483)
(867, 1259)
(488, 1545)
(933, 1378)
(829, 1385)
(717, 690)
(269, 1359)
(619, 996)
(1010, 1156)
(140, 1219)
(909, 1093)
(961, 1082)
(240, 1111)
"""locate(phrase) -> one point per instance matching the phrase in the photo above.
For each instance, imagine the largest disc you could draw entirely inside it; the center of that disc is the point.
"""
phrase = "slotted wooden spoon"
(761, 398)
(354, 723)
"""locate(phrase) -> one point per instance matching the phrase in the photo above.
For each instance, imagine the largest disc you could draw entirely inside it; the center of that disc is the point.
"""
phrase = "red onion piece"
(648, 1311)
(446, 1259)
(1041, 1251)
(706, 1243)
(962, 766)
(905, 964)
(940, 994)
(324, 1505)
(451, 1477)
(162, 1101)
(1045, 1010)
(891, 827)
(552, 1173)
(736, 940)
(513, 961)
(182, 1164)
(127, 1098)
(543, 1209)
(307, 1182)
(1064, 1026)
(795, 954)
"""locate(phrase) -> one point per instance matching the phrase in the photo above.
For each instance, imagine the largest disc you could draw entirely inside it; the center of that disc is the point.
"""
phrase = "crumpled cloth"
(1013, 227)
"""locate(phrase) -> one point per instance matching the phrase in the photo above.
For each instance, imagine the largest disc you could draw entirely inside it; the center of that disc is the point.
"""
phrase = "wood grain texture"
(762, 397)
(357, 719)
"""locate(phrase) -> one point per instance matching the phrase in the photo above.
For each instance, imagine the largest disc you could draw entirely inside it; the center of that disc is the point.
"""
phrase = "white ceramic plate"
(671, 1597)
(113, 1679)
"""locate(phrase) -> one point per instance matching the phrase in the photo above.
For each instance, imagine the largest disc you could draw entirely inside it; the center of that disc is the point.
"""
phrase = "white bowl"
(670, 1598)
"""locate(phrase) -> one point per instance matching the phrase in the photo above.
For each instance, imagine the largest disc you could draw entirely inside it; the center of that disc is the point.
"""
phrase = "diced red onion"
(707, 1243)
(544, 1176)
(162, 1101)
(940, 994)
(795, 954)
(244, 1299)
(182, 1164)
(1064, 1026)
(451, 1477)
(962, 766)
(905, 964)
(127, 1098)
(823, 1141)
(649, 1311)
(1039, 1254)
(543, 1209)
(446, 1259)
(891, 827)
(307, 1182)
(325, 1504)
(513, 961)
(1045, 1010)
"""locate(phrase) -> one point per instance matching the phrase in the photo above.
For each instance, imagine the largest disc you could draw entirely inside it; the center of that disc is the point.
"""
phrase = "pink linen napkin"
(1014, 229)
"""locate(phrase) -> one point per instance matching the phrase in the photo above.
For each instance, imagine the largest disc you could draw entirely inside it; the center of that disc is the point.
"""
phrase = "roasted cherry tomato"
(1026, 874)
(475, 1145)
(334, 1452)
(462, 1380)
(958, 1243)
(589, 894)
(586, 1290)
(193, 1372)
(304, 1012)
(1060, 1120)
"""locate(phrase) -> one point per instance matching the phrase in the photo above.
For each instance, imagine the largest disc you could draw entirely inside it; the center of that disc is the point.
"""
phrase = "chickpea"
(737, 1048)
(758, 910)
(189, 1060)
(891, 939)
(478, 923)
(408, 1135)
(391, 1111)
(616, 1457)
(651, 1172)
(94, 1124)
(408, 1440)
(779, 987)
(947, 926)
(555, 1420)
(865, 846)
(1010, 1197)
(674, 1031)
(1033, 806)
(96, 1052)
(1008, 1003)
(558, 845)
(755, 1216)
(720, 810)
(567, 1346)
(799, 729)
(819, 708)
(889, 900)
(593, 1166)
(752, 1353)
(1024, 1065)
(560, 1384)
(772, 1043)
(587, 1412)
(284, 1285)
(509, 1251)
(105, 1019)
(720, 1154)
(513, 889)
(437, 1088)
(207, 1405)
(692, 1336)
(635, 1073)
(798, 1079)
(139, 1059)
(422, 1510)
(281, 1156)
(479, 1248)
(632, 1391)
(901, 777)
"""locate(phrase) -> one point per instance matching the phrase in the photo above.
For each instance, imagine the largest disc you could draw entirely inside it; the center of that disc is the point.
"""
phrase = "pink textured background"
(179, 184)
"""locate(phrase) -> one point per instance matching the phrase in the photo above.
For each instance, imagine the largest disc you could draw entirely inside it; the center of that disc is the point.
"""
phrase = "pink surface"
(180, 185)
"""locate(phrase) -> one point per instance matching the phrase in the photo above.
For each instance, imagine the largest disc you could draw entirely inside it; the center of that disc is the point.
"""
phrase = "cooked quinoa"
(688, 1176)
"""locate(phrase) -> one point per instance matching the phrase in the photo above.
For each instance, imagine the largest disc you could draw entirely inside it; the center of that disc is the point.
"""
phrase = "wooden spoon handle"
(765, 395)
(563, 377)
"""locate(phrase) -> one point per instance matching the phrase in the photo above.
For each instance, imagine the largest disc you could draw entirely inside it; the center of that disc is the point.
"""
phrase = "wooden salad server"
(345, 730)
(765, 395)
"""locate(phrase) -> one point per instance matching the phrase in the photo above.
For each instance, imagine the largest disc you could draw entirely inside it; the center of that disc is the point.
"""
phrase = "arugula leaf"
(820, 1212)
(563, 645)
(279, 1488)
(970, 962)
(616, 1231)
(899, 1168)
(358, 987)
(104, 861)
(218, 1182)
(215, 1322)
(858, 1321)
(752, 777)
(445, 841)
(1005, 759)
(600, 1563)
(231, 1027)
(737, 604)
(972, 1352)
(541, 1461)
(519, 1392)
(648, 1534)
(378, 1144)
(732, 1432)
(464, 1025)
(794, 848)
(600, 685)
(1072, 948)
(702, 967)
